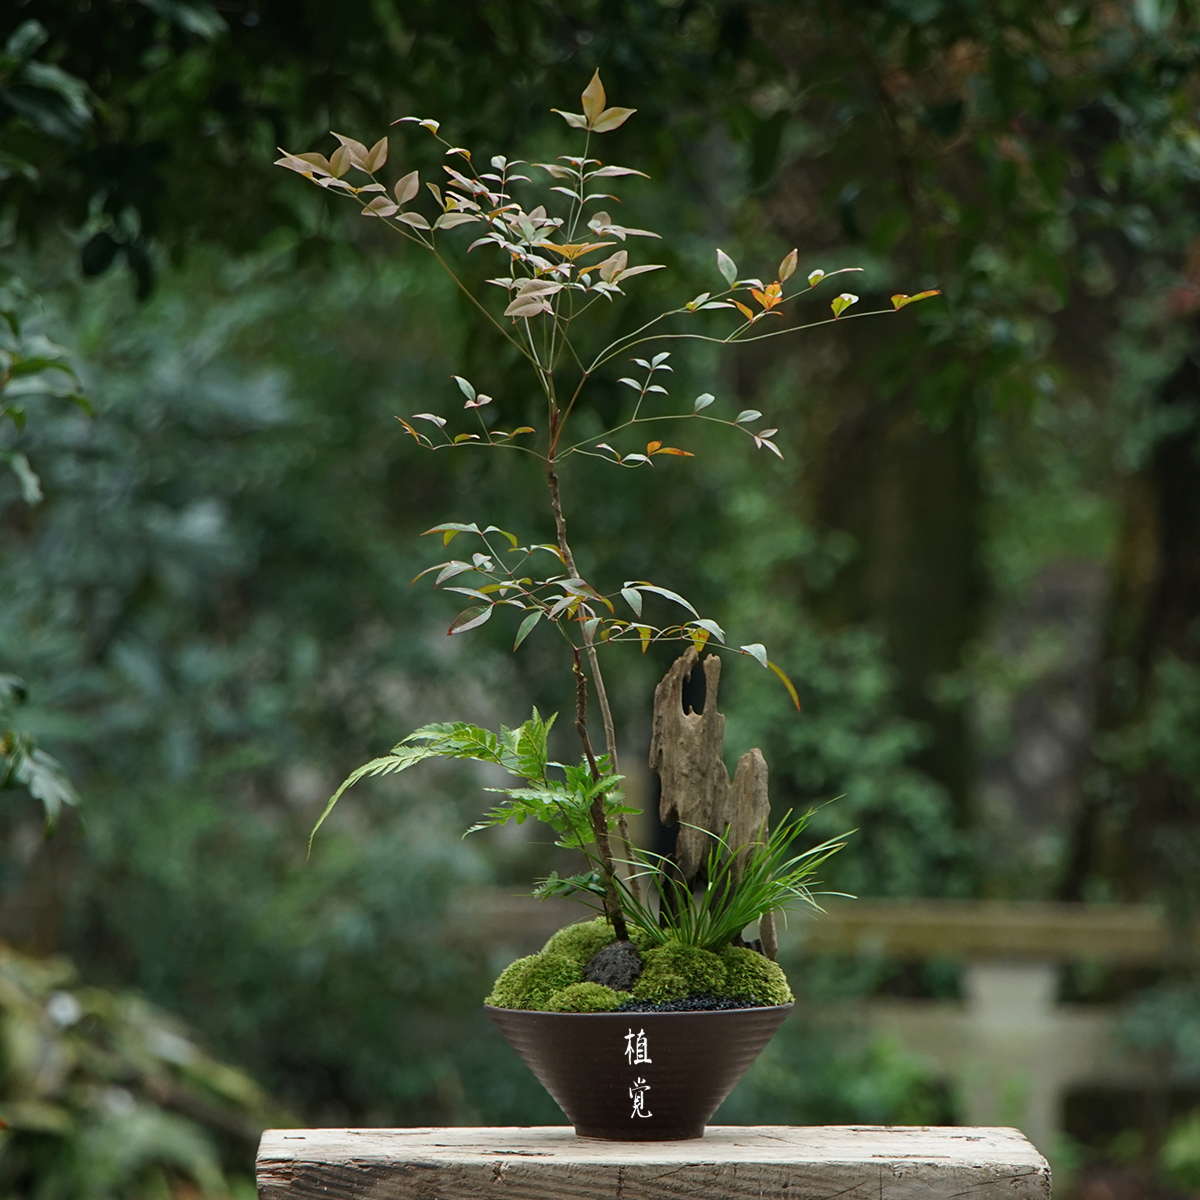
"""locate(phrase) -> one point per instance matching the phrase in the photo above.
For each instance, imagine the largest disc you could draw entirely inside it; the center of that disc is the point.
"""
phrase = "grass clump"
(674, 971)
(530, 982)
(579, 942)
(752, 976)
(586, 998)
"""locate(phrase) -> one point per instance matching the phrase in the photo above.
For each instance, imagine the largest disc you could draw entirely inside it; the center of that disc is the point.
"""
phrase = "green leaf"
(703, 401)
(526, 627)
(464, 387)
(512, 537)
(31, 485)
(46, 781)
(661, 591)
(900, 300)
(450, 530)
(727, 267)
(757, 651)
(842, 302)
(633, 598)
(470, 618)
(711, 627)
(749, 414)
(401, 758)
(570, 885)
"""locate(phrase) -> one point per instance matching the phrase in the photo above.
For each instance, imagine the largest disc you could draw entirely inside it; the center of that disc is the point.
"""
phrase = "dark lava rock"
(616, 966)
(697, 1003)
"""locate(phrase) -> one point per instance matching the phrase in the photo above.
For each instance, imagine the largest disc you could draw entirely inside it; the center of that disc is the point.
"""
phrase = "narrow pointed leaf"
(665, 592)
(593, 99)
(787, 683)
(470, 618)
(526, 627)
(612, 118)
(899, 301)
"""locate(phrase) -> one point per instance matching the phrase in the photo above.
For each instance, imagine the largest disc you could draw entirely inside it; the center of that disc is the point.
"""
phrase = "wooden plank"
(903, 929)
(980, 929)
(768, 1162)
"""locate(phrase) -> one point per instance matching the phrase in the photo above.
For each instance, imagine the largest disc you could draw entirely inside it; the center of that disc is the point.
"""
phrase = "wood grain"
(697, 797)
(769, 1162)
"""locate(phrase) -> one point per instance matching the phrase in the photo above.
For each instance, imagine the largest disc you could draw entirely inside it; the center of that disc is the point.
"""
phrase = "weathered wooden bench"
(766, 1162)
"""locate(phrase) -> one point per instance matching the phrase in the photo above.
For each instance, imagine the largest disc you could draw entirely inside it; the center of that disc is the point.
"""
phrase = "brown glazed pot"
(639, 1077)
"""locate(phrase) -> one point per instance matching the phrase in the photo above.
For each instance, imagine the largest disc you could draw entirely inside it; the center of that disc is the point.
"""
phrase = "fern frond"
(401, 758)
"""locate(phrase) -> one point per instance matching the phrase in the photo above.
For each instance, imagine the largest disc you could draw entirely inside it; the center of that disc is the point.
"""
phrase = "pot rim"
(625, 1016)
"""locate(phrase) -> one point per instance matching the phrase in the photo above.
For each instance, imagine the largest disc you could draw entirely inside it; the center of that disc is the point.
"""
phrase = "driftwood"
(771, 1162)
(687, 751)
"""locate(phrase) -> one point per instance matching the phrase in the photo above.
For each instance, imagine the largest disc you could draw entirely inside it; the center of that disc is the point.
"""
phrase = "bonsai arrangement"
(669, 938)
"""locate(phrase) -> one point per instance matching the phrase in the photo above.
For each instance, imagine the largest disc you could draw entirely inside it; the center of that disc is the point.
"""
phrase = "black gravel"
(700, 1003)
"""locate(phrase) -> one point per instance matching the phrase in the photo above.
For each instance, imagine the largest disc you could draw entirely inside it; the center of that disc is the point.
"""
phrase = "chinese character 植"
(636, 1048)
(637, 1094)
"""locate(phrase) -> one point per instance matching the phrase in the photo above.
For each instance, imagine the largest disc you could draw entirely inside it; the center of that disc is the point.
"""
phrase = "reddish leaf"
(470, 618)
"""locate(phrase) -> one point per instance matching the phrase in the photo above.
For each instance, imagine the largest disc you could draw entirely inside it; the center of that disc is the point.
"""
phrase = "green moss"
(753, 976)
(530, 982)
(585, 998)
(674, 971)
(580, 942)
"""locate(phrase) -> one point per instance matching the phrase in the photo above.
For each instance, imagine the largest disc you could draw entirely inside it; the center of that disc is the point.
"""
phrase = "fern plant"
(559, 256)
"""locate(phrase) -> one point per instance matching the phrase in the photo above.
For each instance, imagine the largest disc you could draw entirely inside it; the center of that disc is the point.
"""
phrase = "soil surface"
(688, 1004)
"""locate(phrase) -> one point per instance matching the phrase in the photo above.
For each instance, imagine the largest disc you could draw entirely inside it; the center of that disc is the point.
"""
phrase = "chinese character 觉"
(637, 1094)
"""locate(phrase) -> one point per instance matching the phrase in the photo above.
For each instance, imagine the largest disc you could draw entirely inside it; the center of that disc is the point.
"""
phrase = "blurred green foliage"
(208, 605)
(103, 1095)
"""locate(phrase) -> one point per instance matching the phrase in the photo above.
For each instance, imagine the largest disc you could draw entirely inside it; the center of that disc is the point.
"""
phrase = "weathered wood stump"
(764, 1162)
(687, 750)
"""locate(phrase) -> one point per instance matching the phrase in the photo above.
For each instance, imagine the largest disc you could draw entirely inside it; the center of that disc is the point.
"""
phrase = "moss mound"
(580, 942)
(585, 998)
(752, 976)
(552, 981)
(675, 971)
(530, 982)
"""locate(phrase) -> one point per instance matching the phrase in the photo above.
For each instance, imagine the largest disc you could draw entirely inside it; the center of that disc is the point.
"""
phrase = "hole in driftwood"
(694, 690)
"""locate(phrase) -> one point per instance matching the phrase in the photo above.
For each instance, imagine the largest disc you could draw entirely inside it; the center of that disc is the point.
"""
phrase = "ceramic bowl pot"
(639, 1077)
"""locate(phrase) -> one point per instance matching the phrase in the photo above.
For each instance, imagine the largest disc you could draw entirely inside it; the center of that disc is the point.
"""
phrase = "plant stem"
(610, 733)
(612, 903)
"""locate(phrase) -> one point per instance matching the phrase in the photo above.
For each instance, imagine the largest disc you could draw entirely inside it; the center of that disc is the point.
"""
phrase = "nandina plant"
(559, 256)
